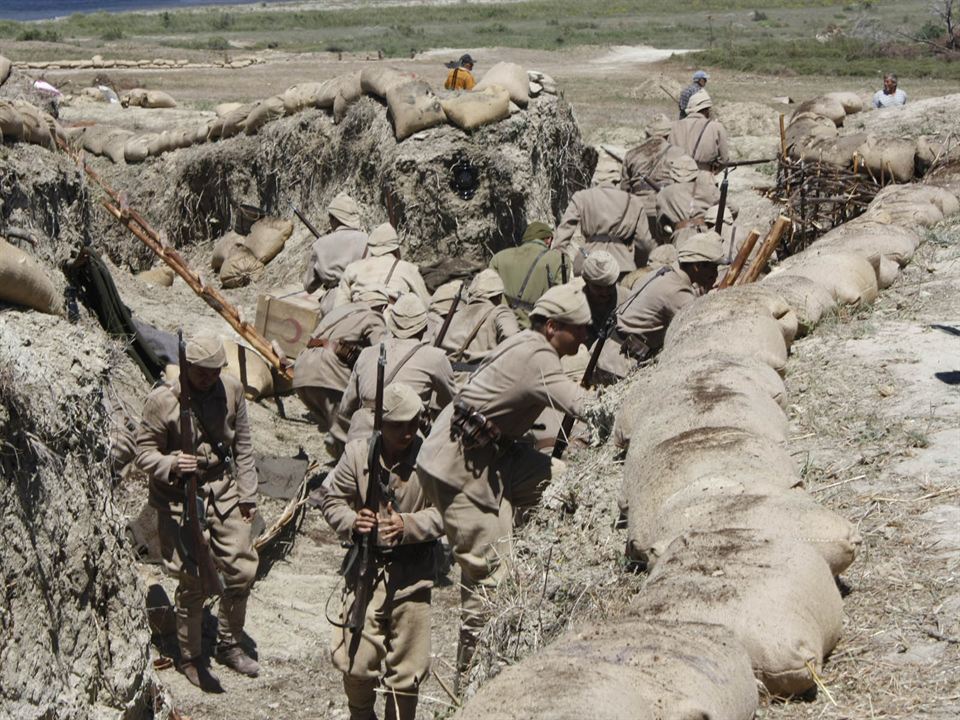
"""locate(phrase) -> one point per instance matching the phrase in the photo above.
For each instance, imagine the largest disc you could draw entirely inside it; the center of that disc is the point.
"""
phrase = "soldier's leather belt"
(472, 428)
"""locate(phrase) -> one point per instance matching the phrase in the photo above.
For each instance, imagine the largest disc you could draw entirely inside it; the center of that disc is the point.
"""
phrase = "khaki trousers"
(231, 541)
(323, 403)
(482, 538)
(393, 651)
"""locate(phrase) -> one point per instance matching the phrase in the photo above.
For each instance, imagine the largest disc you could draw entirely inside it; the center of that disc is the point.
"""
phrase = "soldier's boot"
(197, 672)
(361, 697)
(230, 621)
(401, 706)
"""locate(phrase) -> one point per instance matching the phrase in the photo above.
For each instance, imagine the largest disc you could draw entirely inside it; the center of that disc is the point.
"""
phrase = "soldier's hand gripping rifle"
(196, 549)
(566, 427)
(303, 218)
(446, 321)
(365, 544)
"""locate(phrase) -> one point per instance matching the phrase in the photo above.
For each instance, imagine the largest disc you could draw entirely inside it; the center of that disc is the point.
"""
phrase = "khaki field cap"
(661, 127)
(487, 284)
(600, 268)
(383, 240)
(400, 403)
(683, 168)
(443, 296)
(407, 316)
(206, 351)
(700, 247)
(662, 255)
(537, 231)
(563, 303)
(375, 294)
(345, 209)
(699, 101)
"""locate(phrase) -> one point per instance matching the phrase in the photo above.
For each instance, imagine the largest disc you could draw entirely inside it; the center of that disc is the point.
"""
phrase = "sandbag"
(777, 598)
(347, 86)
(35, 127)
(471, 110)
(5, 68)
(850, 101)
(133, 98)
(11, 124)
(137, 148)
(223, 247)
(892, 197)
(825, 106)
(378, 80)
(865, 238)
(745, 320)
(240, 267)
(230, 124)
(161, 143)
(413, 107)
(259, 379)
(93, 137)
(838, 151)
(511, 77)
(263, 112)
(267, 238)
(303, 95)
(888, 156)
(810, 301)
(626, 670)
(224, 109)
(850, 279)
(806, 127)
(23, 281)
(887, 273)
(718, 503)
(157, 99)
(161, 275)
(115, 144)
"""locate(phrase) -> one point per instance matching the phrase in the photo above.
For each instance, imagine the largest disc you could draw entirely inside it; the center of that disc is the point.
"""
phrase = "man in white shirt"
(890, 96)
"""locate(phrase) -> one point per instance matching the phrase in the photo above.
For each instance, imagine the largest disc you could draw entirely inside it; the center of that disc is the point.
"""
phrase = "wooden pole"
(738, 262)
(766, 250)
(783, 137)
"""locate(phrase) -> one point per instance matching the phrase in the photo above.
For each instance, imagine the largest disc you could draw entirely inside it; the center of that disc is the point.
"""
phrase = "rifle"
(303, 219)
(446, 321)
(656, 186)
(722, 205)
(365, 544)
(738, 163)
(566, 427)
(194, 545)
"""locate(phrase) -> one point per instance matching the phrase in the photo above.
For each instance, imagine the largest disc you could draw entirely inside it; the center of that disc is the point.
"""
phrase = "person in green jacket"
(530, 269)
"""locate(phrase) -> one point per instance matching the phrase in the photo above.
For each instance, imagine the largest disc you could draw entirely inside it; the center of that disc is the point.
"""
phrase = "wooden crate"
(287, 317)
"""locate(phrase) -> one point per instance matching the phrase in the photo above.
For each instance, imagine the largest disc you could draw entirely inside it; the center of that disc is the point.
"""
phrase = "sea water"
(48, 9)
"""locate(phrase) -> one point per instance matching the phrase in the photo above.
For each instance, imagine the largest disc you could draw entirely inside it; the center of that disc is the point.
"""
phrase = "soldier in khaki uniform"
(530, 269)
(683, 204)
(604, 293)
(642, 320)
(699, 136)
(481, 323)
(227, 477)
(472, 467)
(440, 303)
(544, 433)
(394, 650)
(331, 253)
(609, 219)
(321, 372)
(383, 267)
(411, 361)
(649, 161)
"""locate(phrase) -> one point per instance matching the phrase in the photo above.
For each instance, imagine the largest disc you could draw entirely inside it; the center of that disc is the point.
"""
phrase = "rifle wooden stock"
(722, 205)
(766, 250)
(738, 262)
(143, 231)
(196, 545)
(446, 321)
(303, 218)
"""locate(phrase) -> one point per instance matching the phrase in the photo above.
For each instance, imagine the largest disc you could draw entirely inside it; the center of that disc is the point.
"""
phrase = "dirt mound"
(449, 193)
(748, 119)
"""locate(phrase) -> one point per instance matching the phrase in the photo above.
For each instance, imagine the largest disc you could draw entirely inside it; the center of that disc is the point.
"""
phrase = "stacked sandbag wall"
(742, 560)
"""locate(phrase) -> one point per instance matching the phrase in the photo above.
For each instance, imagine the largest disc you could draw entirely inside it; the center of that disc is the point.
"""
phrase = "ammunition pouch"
(635, 348)
(347, 352)
(472, 428)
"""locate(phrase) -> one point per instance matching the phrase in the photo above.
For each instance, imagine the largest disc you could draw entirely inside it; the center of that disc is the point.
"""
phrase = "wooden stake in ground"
(738, 262)
(766, 250)
(783, 138)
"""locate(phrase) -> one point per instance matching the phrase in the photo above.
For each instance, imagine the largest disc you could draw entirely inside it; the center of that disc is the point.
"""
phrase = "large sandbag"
(838, 151)
(223, 248)
(267, 238)
(889, 156)
(413, 107)
(512, 78)
(894, 197)
(162, 142)
(303, 95)
(865, 238)
(470, 110)
(133, 98)
(115, 144)
(240, 267)
(224, 109)
(777, 598)
(5, 67)
(807, 127)
(158, 99)
(230, 124)
(11, 124)
(23, 281)
(850, 101)
(162, 276)
(809, 301)
(93, 138)
(35, 127)
(259, 380)
(137, 148)
(628, 670)
(887, 273)
(346, 86)
(378, 80)
(851, 279)
(263, 112)
(718, 503)
(825, 106)
(750, 320)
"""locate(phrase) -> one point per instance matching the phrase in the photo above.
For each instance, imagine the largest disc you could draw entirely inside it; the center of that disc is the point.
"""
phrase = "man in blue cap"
(699, 82)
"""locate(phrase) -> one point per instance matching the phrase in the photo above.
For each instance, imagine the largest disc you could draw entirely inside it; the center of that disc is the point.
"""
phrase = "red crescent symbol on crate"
(297, 331)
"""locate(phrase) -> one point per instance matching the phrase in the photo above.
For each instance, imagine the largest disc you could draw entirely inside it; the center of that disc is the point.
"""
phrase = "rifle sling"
(526, 280)
(403, 361)
(699, 138)
(396, 261)
(474, 332)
